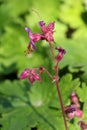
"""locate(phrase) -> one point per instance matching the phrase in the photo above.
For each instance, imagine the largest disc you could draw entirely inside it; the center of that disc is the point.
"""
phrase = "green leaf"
(13, 58)
(75, 56)
(67, 85)
(16, 119)
(22, 112)
(82, 92)
(74, 125)
(48, 12)
(32, 106)
(85, 111)
(4, 16)
(18, 7)
(71, 13)
(14, 89)
(28, 117)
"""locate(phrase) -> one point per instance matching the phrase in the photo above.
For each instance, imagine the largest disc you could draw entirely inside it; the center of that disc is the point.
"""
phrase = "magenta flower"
(82, 125)
(73, 111)
(70, 109)
(33, 38)
(74, 98)
(61, 53)
(47, 31)
(31, 75)
(25, 74)
(78, 113)
(71, 115)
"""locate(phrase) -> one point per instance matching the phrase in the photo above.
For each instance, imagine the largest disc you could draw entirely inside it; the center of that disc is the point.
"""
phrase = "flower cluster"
(47, 34)
(47, 31)
(31, 75)
(74, 109)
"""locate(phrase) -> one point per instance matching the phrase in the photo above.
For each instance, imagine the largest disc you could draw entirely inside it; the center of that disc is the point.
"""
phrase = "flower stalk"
(33, 74)
(57, 86)
(61, 104)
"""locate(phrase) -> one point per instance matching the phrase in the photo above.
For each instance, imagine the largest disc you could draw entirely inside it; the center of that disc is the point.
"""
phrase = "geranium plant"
(34, 74)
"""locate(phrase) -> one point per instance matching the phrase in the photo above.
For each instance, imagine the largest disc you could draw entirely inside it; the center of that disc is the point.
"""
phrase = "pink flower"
(71, 115)
(33, 38)
(41, 69)
(82, 125)
(78, 113)
(74, 98)
(70, 109)
(61, 53)
(73, 111)
(47, 31)
(25, 74)
(31, 75)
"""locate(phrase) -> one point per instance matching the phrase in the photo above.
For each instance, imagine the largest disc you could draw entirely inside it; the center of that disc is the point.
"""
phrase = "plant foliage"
(31, 107)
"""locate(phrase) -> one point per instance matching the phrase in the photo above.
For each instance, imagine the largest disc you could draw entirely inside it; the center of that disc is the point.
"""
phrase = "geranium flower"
(47, 31)
(73, 111)
(31, 75)
(74, 98)
(61, 53)
(82, 125)
(33, 38)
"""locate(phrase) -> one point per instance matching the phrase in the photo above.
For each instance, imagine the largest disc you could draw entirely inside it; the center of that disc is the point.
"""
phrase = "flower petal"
(51, 26)
(31, 79)
(63, 51)
(78, 113)
(41, 23)
(25, 74)
(27, 29)
(33, 45)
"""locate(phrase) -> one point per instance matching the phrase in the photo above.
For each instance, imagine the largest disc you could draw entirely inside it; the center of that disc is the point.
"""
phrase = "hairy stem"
(51, 48)
(60, 97)
(61, 104)
(58, 89)
(48, 73)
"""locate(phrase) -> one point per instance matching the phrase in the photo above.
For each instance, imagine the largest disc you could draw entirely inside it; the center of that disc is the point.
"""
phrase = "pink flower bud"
(37, 77)
(25, 74)
(82, 125)
(78, 113)
(41, 69)
(31, 79)
(61, 54)
(71, 115)
(74, 98)
(31, 75)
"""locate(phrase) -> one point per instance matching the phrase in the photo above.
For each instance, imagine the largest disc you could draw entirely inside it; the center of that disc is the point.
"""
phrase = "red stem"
(51, 48)
(58, 89)
(48, 73)
(61, 104)
(60, 97)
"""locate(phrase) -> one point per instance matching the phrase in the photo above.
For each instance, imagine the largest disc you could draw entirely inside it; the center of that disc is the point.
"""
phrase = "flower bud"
(74, 98)
(78, 113)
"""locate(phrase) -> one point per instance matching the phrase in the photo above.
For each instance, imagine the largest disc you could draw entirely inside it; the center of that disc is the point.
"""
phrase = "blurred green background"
(70, 17)
(71, 33)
